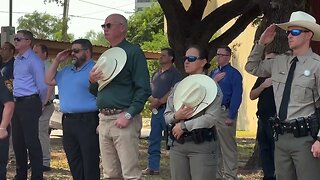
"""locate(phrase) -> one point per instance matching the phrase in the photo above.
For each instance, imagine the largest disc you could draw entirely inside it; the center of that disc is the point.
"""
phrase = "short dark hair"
(85, 44)
(27, 34)
(11, 46)
(170, 53)
(203, 54)
(225, 47)
(44, 48)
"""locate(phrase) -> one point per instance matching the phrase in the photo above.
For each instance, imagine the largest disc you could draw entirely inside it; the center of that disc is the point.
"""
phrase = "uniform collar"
(307, 55)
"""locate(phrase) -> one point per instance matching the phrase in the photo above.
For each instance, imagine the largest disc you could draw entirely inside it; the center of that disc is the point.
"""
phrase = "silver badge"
(306, 72)
(282, 72)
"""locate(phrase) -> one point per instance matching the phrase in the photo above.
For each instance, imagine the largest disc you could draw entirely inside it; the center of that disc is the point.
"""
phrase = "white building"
(140, 4)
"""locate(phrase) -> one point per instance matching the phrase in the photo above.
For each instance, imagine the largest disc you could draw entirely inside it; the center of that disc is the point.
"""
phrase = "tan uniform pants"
(227, 153)
(294, 160)
(44, 136)
(120, 148)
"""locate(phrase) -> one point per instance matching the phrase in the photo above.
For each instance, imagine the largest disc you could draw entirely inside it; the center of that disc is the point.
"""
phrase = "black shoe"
(46, 168)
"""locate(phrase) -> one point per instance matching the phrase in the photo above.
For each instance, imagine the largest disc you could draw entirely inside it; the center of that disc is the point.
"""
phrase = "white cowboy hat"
(110, 63)
(197, 91)
(302, 19)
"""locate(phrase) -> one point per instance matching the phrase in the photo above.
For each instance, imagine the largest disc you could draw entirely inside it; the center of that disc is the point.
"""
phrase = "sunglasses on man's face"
(108, 25)
(191, 58)
(77, 50)
(296, 32)
(18, 39)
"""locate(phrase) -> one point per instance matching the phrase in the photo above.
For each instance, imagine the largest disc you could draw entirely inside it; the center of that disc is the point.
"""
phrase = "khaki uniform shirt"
(206, 119)
(306, 79)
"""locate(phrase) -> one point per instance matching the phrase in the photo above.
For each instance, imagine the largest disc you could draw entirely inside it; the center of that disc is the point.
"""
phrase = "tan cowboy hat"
(110, 63)
(197, 91)
(302, 19)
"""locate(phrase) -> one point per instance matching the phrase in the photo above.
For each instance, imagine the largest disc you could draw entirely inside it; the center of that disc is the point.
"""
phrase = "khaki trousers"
(120, 148)
(190, 161)
(44, 136)
(294, 160)
(227, 153)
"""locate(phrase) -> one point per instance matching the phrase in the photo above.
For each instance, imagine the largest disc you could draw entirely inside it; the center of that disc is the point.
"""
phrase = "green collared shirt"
(130, 89)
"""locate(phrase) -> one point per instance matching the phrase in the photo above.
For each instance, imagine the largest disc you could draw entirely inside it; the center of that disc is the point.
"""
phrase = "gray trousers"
(190, 161)
(294, 160)
(227, 153)
(44, 136)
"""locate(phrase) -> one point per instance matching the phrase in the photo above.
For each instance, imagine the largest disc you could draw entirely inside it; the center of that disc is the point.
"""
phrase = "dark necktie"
(283, 111)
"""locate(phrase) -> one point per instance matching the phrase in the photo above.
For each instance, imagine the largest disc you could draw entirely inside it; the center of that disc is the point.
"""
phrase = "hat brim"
(120, 56)
(315, 28)
(203, 80)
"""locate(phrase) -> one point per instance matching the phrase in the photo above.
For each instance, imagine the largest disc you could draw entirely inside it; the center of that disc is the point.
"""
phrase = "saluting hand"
(268, 35)
(63, 55)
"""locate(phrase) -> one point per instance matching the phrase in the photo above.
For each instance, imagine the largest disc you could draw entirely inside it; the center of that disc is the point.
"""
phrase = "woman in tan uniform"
(193, 108)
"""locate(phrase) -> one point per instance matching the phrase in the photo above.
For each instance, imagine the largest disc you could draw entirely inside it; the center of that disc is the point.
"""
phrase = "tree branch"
(238, 27)
(196, 9)
(228, 11)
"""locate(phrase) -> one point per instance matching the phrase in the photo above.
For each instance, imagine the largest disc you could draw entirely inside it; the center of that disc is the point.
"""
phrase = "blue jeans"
(266, 146)
(157, 126)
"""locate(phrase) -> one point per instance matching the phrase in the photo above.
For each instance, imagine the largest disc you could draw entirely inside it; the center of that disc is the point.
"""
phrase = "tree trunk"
(254, 161)
(315, 11)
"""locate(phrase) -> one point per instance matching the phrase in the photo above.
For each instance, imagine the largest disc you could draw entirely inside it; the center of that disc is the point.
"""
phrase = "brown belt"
(110, 111)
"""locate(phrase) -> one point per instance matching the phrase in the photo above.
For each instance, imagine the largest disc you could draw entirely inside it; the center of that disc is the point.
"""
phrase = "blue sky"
(85, 15)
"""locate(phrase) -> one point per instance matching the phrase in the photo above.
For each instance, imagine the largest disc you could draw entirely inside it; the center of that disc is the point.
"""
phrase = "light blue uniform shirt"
(29, 75)
(73, 86)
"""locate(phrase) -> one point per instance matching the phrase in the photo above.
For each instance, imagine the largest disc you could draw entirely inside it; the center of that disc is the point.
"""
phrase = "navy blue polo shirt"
(5, 95)
(162, 82)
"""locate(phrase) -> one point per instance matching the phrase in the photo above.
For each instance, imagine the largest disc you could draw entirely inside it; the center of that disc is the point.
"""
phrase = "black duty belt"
(23, 98)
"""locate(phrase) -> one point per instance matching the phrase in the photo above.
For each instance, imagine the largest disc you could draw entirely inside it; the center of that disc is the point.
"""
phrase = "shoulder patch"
(9, 84)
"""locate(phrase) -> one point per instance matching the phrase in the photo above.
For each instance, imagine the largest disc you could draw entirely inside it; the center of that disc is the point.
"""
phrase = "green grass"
(60, 168)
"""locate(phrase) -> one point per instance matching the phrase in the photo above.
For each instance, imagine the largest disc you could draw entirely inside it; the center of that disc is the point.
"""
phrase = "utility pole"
(65, 20)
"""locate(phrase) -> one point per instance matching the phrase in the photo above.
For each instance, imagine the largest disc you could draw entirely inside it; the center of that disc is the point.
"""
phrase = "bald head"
(120, 19)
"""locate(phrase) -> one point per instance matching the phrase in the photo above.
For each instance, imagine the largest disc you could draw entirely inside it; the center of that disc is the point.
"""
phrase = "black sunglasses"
(108, 25)
(296, 32)
(18, 39)
(77, 50)
(190, 58)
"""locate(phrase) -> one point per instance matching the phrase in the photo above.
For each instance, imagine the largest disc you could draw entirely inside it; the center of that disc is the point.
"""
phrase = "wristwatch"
(128, 116)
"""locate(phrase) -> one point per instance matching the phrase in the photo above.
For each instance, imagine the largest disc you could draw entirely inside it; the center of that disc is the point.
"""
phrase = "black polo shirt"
(162, 82)
(7, 69)
(5, 95)
(266, 104)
